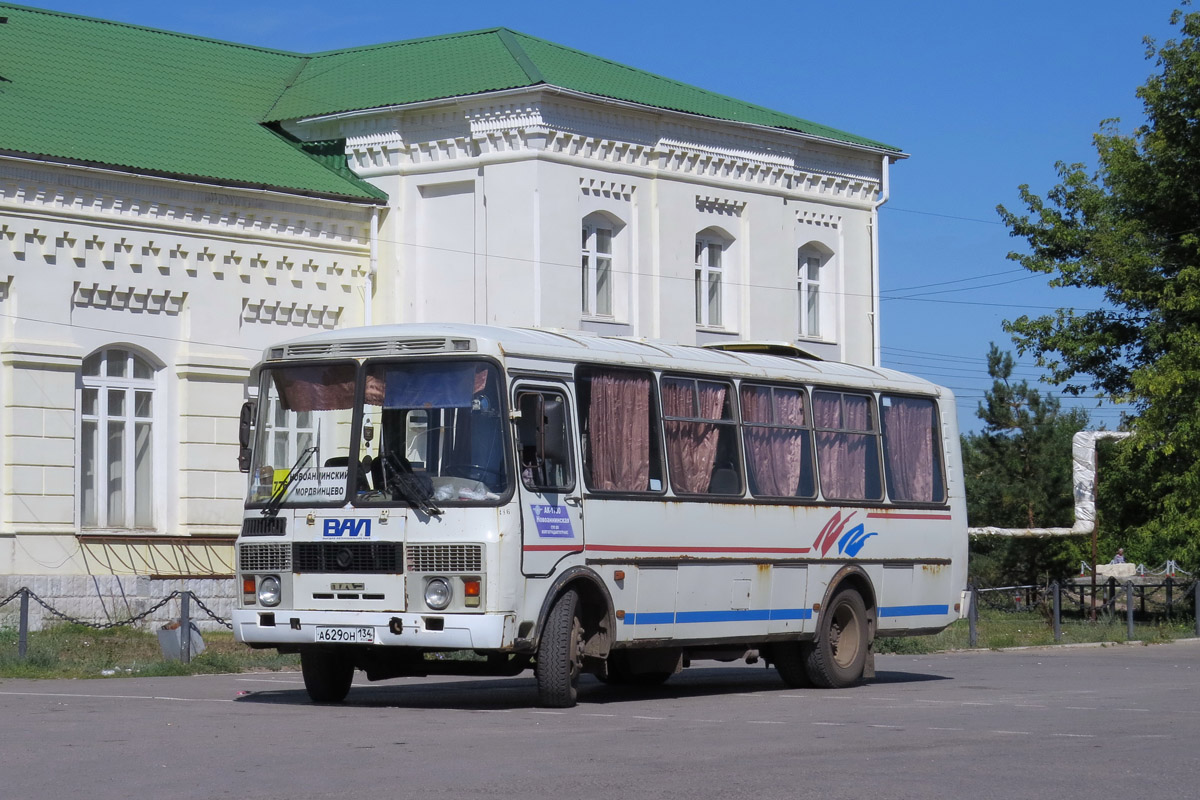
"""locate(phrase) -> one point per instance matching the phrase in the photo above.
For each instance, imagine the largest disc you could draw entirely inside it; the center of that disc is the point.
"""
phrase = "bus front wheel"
(838, 656)
(327, 675)
(560, 653)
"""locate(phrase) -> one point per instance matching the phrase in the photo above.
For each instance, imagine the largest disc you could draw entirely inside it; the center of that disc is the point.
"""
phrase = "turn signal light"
(471, 588)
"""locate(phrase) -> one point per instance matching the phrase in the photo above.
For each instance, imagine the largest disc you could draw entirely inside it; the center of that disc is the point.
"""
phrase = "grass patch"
(997, 629)
(76, 651)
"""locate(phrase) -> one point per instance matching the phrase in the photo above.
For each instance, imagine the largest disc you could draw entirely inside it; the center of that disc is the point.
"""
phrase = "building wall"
(488, 200)
(196, 281)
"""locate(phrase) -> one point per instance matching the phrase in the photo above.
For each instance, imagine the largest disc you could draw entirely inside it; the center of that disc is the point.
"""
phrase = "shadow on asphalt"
(502, 694)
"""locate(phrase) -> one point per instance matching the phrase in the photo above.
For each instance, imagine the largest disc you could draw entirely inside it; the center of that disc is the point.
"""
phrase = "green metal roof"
(491, 60)
(86, 90)
(82, 89)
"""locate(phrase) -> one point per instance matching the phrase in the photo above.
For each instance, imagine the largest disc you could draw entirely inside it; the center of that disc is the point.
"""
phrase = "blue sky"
(983, 96)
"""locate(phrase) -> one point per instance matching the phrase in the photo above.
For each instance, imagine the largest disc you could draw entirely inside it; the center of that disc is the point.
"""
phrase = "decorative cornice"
(132, 299)
(594, 187)
(298, 315)
(819, 219)
(720, 205)
(615, 137)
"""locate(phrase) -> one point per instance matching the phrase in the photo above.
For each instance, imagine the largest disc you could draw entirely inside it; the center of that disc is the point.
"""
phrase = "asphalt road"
(1117, 721)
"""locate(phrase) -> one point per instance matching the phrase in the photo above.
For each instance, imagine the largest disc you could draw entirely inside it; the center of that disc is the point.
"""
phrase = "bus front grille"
(264, 557)
(445, 558)
(377, 557)
(264, 526)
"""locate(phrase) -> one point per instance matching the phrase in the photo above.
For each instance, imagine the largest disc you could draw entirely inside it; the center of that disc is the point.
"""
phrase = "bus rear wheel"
(327, 675)
(560, 653)
(791, 662)
(838, 656)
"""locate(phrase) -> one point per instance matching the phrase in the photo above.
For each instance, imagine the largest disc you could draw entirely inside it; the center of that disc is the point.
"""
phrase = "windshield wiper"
(272, 506)
(404, 481)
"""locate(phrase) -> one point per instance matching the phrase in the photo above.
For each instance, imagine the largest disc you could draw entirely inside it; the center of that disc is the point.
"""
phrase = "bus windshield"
(302, 448)
(432, 431)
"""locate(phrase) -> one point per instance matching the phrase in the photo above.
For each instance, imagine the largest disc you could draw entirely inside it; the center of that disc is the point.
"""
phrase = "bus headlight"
(268, 591)
(437, 593)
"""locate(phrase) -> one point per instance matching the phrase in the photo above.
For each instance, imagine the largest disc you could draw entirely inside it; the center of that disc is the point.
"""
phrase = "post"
(1057, 613)
(1196, 599)
(185, 627)
(973, 618)
(1129, 611)
(23, 630)
(1170, 595)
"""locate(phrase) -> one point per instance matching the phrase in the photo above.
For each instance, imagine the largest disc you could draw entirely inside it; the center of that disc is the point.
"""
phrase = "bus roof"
(582, 346)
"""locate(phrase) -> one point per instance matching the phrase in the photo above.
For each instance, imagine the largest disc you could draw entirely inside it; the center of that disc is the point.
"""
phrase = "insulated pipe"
(1083, 454)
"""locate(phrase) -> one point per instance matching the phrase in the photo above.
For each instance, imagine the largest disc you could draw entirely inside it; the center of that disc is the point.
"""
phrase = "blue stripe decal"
(683, 617)
(913, 611)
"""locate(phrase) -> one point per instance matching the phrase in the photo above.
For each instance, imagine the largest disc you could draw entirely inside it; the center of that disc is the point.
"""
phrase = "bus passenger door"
(550, 496)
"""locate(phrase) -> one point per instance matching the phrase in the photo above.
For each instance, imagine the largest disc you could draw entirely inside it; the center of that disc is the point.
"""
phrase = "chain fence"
(1146, 597)
(185, 626)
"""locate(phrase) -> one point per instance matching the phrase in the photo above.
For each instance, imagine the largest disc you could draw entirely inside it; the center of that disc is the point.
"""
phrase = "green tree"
(1131, 228)
(1018, 475)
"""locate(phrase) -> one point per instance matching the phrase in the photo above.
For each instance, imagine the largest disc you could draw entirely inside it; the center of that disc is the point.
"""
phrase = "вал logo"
(347, 527)
(848, 543)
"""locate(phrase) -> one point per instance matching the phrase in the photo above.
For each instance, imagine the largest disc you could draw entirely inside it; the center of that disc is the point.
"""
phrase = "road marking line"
(764, 722)
(557, 713)
(831, 724)
(121, 697)
(1030, 705)
(599, 715)
(659, 719)
(1080, 708)
(947, 729)
(1132, 709)
(890, 727)
(492, 710)
(1076, 735)
(1014, 733)
(978, 704)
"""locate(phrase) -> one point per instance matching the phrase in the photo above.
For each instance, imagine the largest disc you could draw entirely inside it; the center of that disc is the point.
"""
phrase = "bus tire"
(839, 654)
(327, 675)
(560, 653)
(791, 662)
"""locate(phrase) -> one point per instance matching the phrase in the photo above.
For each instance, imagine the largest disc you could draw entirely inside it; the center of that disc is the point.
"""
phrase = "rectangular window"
(808, 280)
(708, 282)
(543, 441)
(618, 420)
(597, 265)
(912, 450)
(777, 438)
(847, 446)
(701, 437)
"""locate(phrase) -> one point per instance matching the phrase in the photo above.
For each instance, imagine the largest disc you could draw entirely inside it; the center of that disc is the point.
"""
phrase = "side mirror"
(245, 429)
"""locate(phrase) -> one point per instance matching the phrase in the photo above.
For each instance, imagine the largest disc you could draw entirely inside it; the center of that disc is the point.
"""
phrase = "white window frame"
(95, 402)
(707, 275)
(808, 288)
(593, 228)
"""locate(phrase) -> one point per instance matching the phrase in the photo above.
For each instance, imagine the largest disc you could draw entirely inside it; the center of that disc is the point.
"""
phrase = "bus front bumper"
(283, 627)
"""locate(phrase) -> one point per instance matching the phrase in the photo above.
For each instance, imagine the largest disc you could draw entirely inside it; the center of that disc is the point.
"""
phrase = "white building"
(169, 206)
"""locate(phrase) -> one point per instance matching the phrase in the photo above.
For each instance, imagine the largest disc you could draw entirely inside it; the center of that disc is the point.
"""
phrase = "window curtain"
(692, 446)
(774, 456)
(908, 449)
(842, 456)
(619, 428)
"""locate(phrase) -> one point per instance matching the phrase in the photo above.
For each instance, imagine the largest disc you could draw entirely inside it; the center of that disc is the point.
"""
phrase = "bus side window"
(912, 450)
(542, 441)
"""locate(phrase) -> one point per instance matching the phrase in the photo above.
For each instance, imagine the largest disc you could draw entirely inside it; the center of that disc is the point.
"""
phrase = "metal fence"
(1145, 598)
(186, 599)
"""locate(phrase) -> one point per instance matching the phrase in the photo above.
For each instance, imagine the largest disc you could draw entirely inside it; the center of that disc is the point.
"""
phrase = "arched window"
(812, 291)
(710, 278)
(600, 261)
(116, 448)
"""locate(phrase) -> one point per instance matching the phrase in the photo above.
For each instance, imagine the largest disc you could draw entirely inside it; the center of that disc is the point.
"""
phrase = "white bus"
(573, 503)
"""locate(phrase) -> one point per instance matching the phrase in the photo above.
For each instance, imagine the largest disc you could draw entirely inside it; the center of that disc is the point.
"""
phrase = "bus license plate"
(356, 635)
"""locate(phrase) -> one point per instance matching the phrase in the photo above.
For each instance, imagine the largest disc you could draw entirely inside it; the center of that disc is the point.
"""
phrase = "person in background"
(1119, 558)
